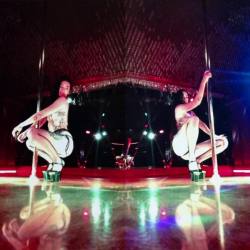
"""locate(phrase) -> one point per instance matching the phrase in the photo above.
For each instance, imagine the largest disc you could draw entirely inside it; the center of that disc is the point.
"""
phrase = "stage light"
(241, 171)
(161, 131)
(87, 132)
(151, 135)
(7, 171)
(70, 100)
(146, 114)
(144, 132)
(104, 133)
(85, 213)
(163, 213)
(98, 136)
(103, 114)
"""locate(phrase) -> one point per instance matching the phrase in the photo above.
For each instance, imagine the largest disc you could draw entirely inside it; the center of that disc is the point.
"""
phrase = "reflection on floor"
(154, 213)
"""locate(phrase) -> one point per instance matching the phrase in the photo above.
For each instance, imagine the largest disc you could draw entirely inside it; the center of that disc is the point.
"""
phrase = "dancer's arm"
(198, 98)
(55, 106)
(22, 136)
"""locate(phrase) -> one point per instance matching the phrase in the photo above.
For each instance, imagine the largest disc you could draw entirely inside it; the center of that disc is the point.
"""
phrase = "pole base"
(216, 179)
(33, 179)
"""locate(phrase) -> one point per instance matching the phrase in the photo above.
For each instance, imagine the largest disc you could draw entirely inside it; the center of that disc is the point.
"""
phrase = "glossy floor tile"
(152, 213)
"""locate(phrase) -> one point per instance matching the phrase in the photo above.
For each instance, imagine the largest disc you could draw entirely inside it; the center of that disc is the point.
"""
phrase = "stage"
(125, 209)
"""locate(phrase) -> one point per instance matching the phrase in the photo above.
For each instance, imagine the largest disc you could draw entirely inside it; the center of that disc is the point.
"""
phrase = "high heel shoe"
(53, 174)
(195, 171)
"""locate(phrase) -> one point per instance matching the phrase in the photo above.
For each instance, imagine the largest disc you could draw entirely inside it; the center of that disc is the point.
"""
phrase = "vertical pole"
(216, 175)
(33, 177)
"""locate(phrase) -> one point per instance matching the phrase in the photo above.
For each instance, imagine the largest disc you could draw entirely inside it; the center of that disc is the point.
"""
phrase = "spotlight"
(98, 136)
(145, 132)
(104, 133)
(151, 135)
(71, 100)
(85, 213)
(163, 213)
(161, 131)
(87, 132)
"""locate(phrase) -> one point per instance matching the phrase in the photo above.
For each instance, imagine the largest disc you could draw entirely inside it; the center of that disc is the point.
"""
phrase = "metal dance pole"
(216, 176)
(33, 177)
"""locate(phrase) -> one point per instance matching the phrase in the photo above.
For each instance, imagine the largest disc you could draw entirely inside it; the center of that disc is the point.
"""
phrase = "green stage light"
(98, 136)
(151, 135)
(104, 133)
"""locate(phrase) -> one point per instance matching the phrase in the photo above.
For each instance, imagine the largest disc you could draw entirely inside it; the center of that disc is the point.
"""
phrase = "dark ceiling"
(144, 41)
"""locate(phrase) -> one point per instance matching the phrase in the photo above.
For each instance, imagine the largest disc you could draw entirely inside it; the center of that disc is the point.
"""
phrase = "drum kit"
(125, 161)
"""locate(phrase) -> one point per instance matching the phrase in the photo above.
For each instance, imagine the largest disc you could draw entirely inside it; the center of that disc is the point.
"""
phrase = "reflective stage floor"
(151, 213)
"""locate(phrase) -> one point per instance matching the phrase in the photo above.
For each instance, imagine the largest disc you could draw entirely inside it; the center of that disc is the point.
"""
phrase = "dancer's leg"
(221, 145)
(184, 142)
(203, 151)
(192, 136)
(43, 141)
(41, 153)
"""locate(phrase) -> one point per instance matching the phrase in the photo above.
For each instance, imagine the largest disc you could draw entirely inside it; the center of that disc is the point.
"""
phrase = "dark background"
(96, 40)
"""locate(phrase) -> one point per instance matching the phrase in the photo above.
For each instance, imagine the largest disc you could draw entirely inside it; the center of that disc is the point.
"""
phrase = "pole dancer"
(188, 124)
(57, 142)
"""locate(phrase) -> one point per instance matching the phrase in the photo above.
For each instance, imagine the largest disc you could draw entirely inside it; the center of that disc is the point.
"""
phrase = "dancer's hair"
(54, 92)
(178, 97)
